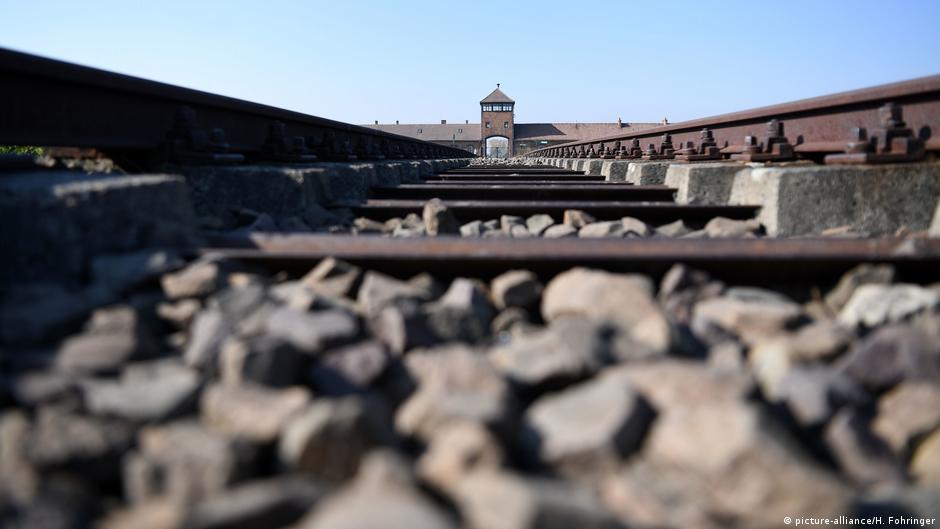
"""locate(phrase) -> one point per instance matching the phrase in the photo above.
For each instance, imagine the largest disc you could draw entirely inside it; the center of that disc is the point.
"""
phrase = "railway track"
(259, 318)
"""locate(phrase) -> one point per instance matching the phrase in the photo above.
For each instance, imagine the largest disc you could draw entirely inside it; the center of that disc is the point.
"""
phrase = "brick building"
(497, 134)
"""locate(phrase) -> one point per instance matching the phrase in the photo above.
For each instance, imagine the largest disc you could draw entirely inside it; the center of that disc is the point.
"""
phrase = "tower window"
(505, 124)
(420, 131)
(487, 124)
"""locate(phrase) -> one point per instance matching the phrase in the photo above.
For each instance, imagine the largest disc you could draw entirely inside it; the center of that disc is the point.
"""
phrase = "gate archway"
(496, 147)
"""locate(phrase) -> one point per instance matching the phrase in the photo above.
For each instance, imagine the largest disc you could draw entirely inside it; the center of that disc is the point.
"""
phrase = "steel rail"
(762, 260)
(814, 126)
(46, 102)
(496, 192)
(466, 210)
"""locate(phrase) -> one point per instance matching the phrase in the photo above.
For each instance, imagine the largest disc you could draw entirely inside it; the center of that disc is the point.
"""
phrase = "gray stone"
(819, 341)
(860, 275)
(624, 299)
(507, 319)
(335, 278)
(455, 383)
(329, 438)
(60, 438)
(875, 199)
(539, 223)
(457, 449)
(313, 332)
(31, 389)
(264, 360)
(19, 481)
(890, 355)
(703, 183)
(207, 333)
(364, 225)
(378, 291)
(576, 218)
(506, 222)
(199, 278)
(754, 472)
(412, 221)
(490, 225)
(408, 232)
(907, 413)
(560, 231)
(251, 412)
(680, 384)
(925, 464)
(516, 288)
(112, 336)
(682, 287)
(872, 305)
(180, 313)
(260, 504)
(519, 231)
(349, 369)
(634, 227)
(814, 394)
(589, 428)
(721, 227)
(472, 229)
(151, 391)
(184, 463)
(502, 500)
(383, 495)
(463, 313)
(610, 228)
(646, 495)
(438, 220)
(403, 326)
(750, 313)
(864, 457)
(568, 350)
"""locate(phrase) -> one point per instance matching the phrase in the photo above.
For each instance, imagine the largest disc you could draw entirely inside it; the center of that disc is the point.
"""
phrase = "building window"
(505, 124)
(420, 131)
(487, 124)
(459, 131)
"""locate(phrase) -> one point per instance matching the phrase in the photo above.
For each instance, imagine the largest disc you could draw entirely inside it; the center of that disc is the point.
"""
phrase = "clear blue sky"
(422, 61)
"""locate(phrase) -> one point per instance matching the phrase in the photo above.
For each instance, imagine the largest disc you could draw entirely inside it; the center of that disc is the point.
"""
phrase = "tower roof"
(497, 96)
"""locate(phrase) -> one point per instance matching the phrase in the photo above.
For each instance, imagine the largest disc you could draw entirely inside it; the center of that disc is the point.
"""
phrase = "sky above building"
(423, 61)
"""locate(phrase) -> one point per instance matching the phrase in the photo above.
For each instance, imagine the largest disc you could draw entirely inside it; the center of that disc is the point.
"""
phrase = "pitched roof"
(434, 131)
(497, 96)
(574, 131)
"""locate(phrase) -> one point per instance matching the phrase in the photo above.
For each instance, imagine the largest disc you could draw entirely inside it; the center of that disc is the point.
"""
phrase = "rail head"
(814, 126)
(49, 102)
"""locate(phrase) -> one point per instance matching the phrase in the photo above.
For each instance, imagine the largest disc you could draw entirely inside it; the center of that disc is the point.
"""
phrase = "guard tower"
(496, 121)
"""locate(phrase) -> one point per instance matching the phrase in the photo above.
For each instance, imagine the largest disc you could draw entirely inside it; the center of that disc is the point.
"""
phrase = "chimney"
(376, 122)
(443, 122)
(619, 122)
(466, 122)
(396, 122)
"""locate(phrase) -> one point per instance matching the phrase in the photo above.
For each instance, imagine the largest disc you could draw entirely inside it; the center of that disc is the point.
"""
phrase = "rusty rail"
(847, 122)
(764, 260)
(53, 103)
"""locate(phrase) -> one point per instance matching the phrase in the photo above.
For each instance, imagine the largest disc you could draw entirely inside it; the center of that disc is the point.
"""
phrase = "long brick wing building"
(498, 135)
